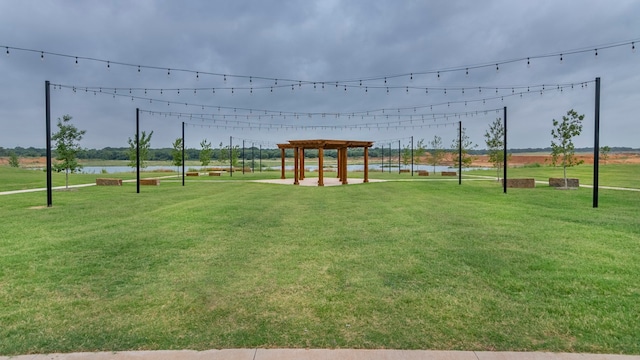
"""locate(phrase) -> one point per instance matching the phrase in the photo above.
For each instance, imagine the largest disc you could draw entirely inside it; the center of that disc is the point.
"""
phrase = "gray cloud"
(317, 41)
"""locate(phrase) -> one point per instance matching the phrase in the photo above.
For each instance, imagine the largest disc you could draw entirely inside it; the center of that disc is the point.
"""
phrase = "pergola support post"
(320, 167)
(296, 158)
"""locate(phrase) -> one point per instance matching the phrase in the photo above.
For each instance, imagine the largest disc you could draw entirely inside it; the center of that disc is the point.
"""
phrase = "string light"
(42, 56)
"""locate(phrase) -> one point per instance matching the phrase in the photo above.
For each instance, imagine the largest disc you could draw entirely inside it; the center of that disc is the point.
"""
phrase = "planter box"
(150, 182)
(109, 182)
(559, 182)
(449, 173)
(526, 183)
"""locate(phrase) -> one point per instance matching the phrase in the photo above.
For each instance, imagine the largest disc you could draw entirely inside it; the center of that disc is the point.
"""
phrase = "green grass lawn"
(411, 265)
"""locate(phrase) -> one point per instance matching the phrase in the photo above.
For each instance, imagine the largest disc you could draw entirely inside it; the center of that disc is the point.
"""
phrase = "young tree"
(14, 161)
(437, 151)
(467, 145)
(223, 154)
(562, 149)
(145, 145)
(406, 155)
(235, 155)
(67, 147)
(494, 137)
(176, 153)
(419, 151)
(205, 152)
(604, 153)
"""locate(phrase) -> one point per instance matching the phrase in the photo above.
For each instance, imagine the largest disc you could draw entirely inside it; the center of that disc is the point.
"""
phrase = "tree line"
(162, 154)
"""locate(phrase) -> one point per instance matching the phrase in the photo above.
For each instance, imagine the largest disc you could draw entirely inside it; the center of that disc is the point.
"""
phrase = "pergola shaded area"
(299, 146)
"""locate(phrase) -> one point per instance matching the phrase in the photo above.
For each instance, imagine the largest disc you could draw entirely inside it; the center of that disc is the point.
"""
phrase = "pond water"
(372, 167)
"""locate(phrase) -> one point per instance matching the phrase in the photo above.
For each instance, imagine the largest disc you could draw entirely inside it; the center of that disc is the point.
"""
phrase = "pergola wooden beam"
(341, 146)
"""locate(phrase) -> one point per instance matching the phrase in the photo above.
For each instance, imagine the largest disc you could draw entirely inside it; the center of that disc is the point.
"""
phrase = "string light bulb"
(76, 61)
(42, 55)
(633, 47)
(528, 63)
(108, 66)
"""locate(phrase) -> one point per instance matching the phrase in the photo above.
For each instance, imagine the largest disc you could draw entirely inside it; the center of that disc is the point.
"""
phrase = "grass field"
(429, 265)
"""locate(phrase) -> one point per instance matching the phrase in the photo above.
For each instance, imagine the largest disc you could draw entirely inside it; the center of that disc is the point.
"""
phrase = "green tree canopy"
(145, 144)
(562, 148)
(67, 140)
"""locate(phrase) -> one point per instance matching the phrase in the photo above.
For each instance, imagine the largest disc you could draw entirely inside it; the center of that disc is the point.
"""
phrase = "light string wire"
(243, 125)
(426, 89)
(463, 68)
(399, 111)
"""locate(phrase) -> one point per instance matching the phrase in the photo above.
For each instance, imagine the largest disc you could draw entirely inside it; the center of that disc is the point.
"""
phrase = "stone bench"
(149, 181)
(193, 173)
(559, 182)
(211, 173)
(404, 171)
(525, 183)
(423, 173)
(109, 182)
(449, 173)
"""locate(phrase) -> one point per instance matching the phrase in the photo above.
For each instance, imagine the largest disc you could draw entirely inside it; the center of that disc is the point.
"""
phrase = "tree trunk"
(564, 168)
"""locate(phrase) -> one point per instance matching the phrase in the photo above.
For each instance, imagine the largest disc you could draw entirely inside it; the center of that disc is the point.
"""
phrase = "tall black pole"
(253, 159)
(389, 158)
(183, 153)
(399, 148)
(411, 155)
(243, 157)
(230, 155)
(504, 154)
(596, 146)
(138, 150)
(260, 157)
(47, 115)
(459, 152)
(382, 158)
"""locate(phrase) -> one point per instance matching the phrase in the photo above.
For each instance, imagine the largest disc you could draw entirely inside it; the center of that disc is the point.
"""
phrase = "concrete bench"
(449, 173)
(211, 173)
(149, 181)
(404, 171)
(423, 173)
(559, 182)
(108, 182)
(193, 173)
(525, 183)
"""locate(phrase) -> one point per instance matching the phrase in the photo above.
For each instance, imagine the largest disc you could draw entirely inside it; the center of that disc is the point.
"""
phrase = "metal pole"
(596, 146)
(138, 150)
(399, 150)
(242, 156)
(382, 158)
(411, 155)
(260, 157)
(504, 155)
(253, 159)
(230, 156)
(47, 111)
(183, 153)
(459, 152)
(389, 158)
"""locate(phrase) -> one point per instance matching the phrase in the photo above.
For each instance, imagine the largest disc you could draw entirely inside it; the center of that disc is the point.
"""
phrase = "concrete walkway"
(320, 354)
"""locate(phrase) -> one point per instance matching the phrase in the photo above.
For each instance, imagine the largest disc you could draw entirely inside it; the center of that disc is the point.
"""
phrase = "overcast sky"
(257, 42)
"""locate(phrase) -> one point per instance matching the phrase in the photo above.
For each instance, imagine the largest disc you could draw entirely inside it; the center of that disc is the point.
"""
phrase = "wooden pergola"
(299, 146)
